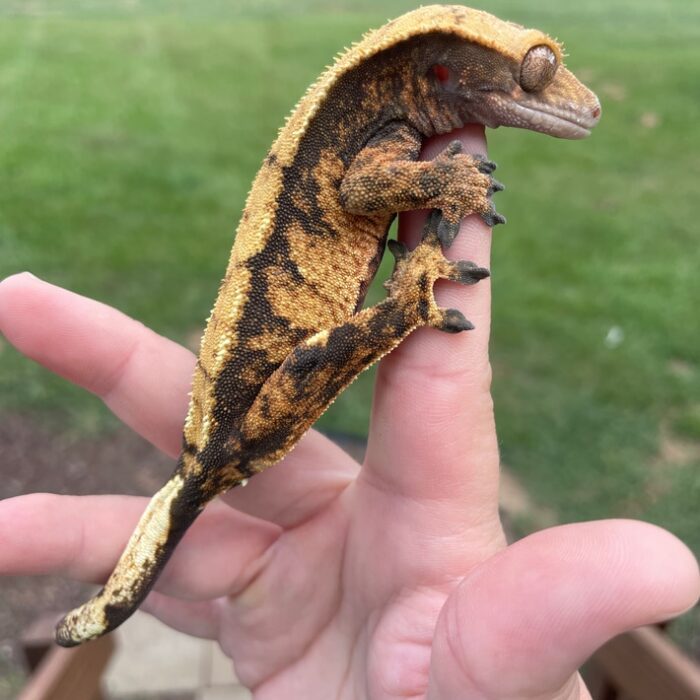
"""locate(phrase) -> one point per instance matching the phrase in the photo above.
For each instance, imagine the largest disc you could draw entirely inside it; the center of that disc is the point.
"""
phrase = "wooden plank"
(596, 680)
(645, 665)
(37, 639)
(70, 674)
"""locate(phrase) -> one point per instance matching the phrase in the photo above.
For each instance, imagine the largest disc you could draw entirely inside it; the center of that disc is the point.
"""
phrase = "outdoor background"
(130, 132)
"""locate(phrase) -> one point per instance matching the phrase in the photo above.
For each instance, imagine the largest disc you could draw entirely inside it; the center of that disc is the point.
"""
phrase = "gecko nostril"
(596, 112)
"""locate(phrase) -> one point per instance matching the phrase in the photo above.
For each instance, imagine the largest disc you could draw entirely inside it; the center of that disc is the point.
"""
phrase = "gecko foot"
(468, 191)
(416, 272)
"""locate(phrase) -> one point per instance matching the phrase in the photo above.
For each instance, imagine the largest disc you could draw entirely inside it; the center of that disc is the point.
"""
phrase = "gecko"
(288, 330)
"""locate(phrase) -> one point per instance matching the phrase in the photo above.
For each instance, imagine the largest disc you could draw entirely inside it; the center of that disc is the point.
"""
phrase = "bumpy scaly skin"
(385, 176)
(286, 333)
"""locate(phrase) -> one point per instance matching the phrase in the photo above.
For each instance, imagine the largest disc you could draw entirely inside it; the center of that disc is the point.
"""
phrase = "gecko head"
(526, 86)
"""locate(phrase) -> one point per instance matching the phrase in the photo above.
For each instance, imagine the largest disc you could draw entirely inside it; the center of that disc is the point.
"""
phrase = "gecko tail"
(166, 519)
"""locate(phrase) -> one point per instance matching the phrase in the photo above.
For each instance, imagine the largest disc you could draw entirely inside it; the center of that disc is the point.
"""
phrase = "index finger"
(144, 379)
(433, 433)
(141, 376)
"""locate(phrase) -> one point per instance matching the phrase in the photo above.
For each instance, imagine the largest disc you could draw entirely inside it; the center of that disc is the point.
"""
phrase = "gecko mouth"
(556, 122)
(548, 119)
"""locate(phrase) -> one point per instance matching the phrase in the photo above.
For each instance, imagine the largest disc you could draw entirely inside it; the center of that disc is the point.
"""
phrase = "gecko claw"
(454, 321)
(447, 231)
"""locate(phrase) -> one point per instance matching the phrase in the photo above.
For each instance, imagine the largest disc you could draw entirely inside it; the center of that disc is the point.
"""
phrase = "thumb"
(520, 624)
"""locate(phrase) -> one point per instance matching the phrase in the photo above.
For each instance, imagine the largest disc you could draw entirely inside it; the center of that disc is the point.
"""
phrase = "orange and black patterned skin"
(287, 332)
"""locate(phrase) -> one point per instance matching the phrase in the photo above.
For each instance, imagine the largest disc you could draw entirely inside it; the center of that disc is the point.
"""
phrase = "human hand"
(323, 579)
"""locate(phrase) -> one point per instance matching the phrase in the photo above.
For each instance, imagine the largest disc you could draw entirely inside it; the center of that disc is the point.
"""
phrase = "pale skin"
(327, 579)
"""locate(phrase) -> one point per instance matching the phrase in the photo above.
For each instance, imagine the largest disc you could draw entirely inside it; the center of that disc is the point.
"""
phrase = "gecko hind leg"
(319, 368)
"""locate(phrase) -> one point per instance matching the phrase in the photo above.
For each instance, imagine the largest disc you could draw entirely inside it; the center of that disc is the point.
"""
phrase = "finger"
(144, 378)
(522, 623)
(306, 482)
(433, 433)
(198, 618)
(82, 538)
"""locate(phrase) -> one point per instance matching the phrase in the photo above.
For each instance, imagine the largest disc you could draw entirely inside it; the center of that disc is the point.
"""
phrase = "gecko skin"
(288, 332)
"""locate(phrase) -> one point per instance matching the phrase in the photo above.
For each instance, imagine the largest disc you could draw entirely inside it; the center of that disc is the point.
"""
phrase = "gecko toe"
(454, 321)
(492, 218)
(454, 147)
(432, 224)
(397, 249)
(484, 166)
(467, 272)
(496, 186)
(447, 231)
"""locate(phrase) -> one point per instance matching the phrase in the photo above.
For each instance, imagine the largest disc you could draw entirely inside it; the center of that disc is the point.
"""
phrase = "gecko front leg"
(386, 176)
(318, 369)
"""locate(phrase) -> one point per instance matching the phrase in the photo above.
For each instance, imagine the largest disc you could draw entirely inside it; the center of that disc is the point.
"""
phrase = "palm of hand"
(321, 579)
(348, 595)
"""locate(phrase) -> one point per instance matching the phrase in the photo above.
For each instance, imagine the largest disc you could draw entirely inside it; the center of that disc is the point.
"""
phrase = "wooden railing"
(63, 674)
(643, 664)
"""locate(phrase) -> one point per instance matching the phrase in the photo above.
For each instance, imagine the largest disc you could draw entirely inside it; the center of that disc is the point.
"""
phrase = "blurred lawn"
(130, 132)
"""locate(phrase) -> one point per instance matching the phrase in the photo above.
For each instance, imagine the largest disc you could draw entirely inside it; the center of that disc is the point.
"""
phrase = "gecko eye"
(538, 68)
(442, 73)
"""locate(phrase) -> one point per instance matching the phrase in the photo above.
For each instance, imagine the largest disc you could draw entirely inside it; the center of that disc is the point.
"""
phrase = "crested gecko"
(288, 331)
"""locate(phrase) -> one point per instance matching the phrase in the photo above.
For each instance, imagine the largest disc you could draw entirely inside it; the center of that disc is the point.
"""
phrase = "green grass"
(129, 134)
(10, 681)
